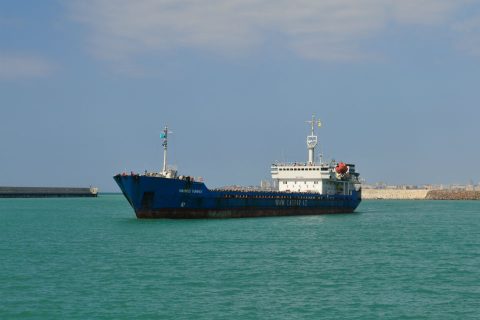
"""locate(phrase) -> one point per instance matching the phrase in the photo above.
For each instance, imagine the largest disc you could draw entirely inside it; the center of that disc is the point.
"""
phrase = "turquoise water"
(90, 258)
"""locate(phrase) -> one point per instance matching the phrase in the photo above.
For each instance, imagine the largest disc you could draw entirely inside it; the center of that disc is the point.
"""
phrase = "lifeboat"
(341, 168)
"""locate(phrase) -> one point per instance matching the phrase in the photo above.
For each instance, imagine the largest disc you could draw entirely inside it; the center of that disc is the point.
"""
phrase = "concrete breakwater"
(419, 194)
(46, 192)
(394, 194)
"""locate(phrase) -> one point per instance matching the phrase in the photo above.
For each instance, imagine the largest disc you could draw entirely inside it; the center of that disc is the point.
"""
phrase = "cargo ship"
(300, 188)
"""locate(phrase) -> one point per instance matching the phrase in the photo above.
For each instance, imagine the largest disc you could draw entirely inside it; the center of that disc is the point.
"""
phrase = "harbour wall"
(45, 192)
(394, 194)
(419, 194)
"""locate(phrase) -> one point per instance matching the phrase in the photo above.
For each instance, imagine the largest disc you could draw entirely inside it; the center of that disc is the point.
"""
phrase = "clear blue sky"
(86, 87)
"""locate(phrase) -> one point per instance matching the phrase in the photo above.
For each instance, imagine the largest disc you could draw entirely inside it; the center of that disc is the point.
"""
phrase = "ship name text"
(289, 203)
(190, 191)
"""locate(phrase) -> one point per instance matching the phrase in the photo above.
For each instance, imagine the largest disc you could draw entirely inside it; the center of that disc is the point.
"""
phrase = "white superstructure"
(324, 178)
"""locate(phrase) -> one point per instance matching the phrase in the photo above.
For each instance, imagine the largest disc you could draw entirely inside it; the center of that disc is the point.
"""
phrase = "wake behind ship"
(308, 188)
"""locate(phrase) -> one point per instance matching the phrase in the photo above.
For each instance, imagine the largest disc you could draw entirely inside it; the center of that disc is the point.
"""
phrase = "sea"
(90, 258)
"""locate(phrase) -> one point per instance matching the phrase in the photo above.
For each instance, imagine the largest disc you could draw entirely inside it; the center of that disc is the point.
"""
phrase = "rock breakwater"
(419, 194)
(452, 195)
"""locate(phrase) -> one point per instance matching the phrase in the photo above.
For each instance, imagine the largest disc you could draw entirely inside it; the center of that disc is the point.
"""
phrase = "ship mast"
(164, 136)
(312, 139)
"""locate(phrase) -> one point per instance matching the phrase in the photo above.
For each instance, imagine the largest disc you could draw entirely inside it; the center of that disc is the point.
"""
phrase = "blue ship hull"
(156, 197)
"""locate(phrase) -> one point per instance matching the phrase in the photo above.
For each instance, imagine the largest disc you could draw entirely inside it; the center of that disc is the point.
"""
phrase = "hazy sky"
(86, 87)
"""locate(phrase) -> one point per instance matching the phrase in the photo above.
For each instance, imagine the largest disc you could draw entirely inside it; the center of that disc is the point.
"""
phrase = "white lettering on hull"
(290, 203)
(190, 191)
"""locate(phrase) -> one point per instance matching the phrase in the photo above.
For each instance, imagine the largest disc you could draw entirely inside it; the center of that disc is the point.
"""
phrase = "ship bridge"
(316, 178)
(301, 177)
